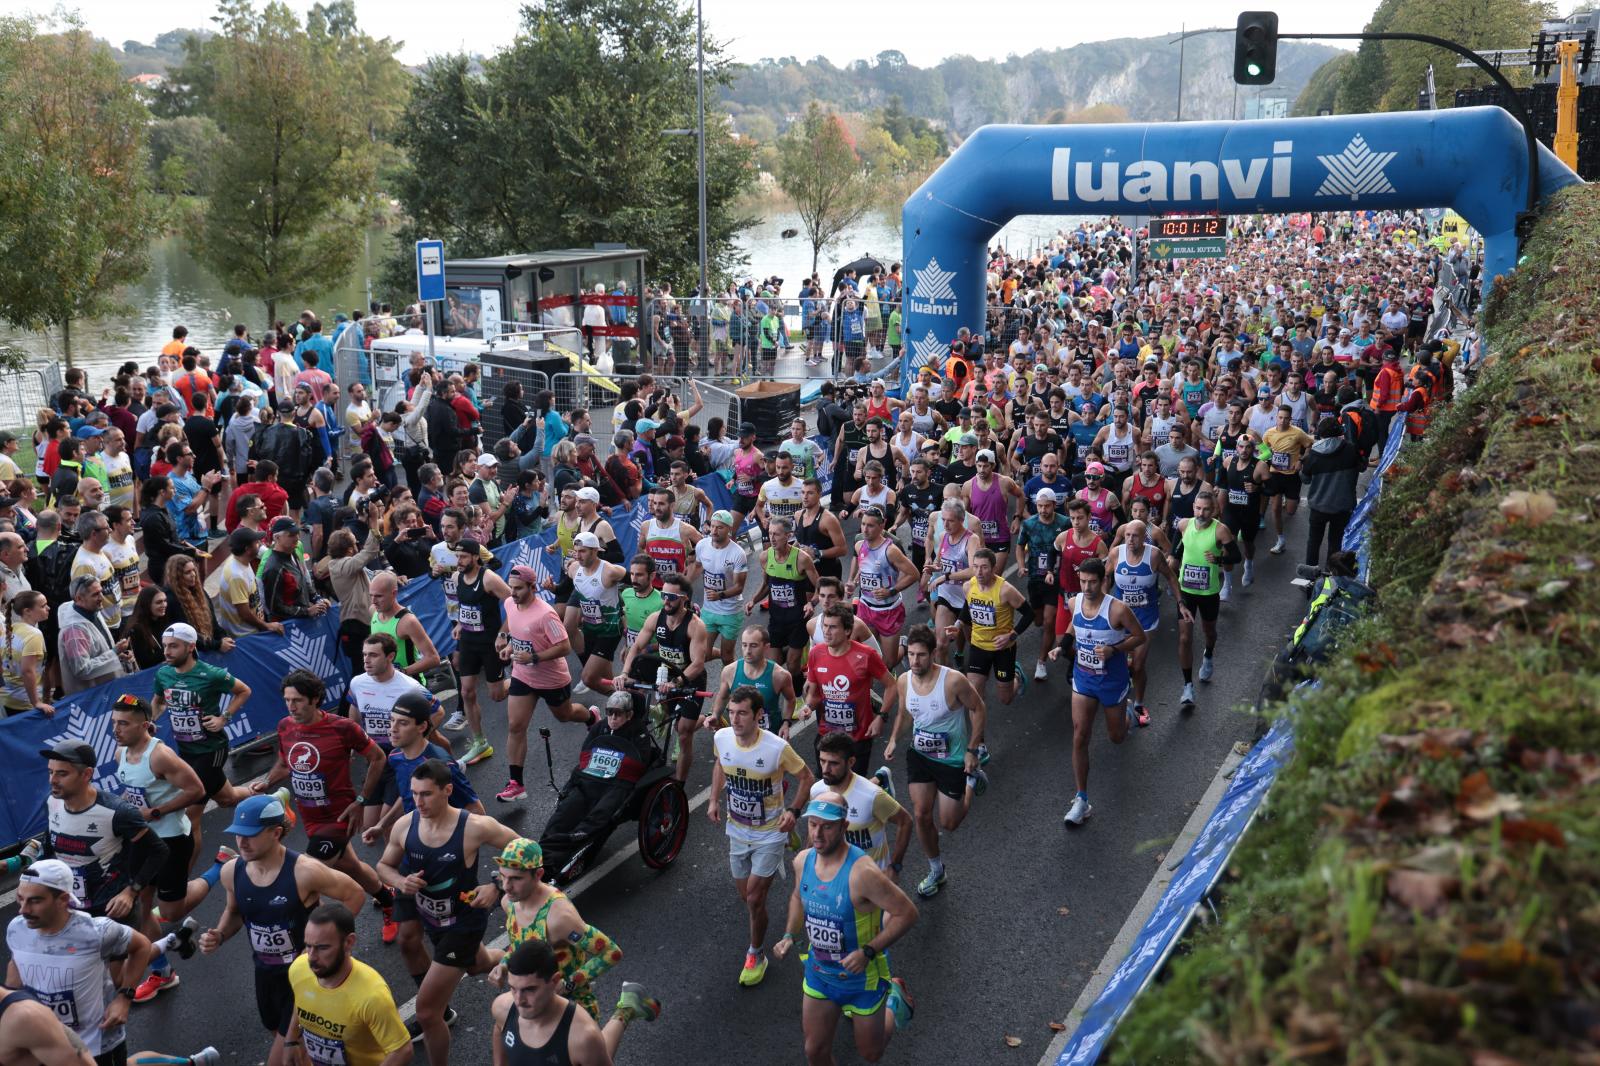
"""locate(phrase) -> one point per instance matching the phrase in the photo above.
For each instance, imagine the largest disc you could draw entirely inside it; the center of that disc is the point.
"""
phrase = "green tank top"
(763, 685)
(405, 652)
(1196, 575)
(636, 608)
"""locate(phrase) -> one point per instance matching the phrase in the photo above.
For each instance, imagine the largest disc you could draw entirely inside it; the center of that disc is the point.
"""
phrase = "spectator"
(346, 569)
(187, 602)
(286, 587)
(621, 468)
(90, 656)
(407, 546)
(289, 448)
(161, 541)
(145, 626)
(199, 392)
(265, 488)
(240, 435)
(1330, 470)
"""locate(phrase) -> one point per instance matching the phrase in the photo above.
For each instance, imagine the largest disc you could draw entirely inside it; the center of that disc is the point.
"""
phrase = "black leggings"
(1334, 523)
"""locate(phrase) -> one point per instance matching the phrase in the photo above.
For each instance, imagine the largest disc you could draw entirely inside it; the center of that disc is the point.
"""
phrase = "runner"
(1283, 448)
(675, 637)
(1204, 547)
(850, 913)
(749, 464)
(806, 455)
(989, 495)
(1103, 503)
(1073, 547)
(830, 591)
(1036, 557)
(755, 670)
(818, 531)
(839, 677)
(667, 539)
(998, 614)
(415, 653)
(872, 806)
(534, 1025)
(535, 644)
(432, 856)
(747, 784)
(370, 701)
(159, 786)
(881, 572)
(723, 568)
(271, 890)
(786, 573)
(31, 1034)
(343, 1012)
(1240, 482)
(478, 593)
(874, 491)
(689, 501)
(919, 501)
(1135, 566)
(640, 598)
(1148, 484)
(1181, 491)
(948, 569)
(190, 693)
(783, 494)
(1102, 631)
(537, 912)
(1118, 443)
(314, 750)
(595, 585)
(947, 717)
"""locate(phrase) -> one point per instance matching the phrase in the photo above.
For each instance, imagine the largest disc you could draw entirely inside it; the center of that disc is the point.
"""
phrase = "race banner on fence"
(259, 661)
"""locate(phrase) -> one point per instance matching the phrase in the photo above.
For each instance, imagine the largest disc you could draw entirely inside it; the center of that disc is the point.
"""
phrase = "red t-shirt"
(846, 684)
(318, 757)
(273, 495)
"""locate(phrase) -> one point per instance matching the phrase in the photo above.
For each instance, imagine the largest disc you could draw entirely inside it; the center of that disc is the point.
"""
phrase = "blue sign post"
(430, 283)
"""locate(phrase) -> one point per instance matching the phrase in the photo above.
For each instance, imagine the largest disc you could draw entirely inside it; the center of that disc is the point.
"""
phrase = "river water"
(178, 290)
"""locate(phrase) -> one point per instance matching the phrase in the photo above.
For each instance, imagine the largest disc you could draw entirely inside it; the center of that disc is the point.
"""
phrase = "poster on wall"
(471, 312)
(489, 317)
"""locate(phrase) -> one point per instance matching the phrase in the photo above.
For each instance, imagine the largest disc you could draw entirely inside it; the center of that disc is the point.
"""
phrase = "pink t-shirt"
(535, 628)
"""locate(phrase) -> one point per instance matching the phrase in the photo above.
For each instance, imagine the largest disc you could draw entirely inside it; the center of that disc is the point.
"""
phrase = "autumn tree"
(820, 171)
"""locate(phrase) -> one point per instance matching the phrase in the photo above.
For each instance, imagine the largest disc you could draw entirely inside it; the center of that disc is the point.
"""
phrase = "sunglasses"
(673, 596)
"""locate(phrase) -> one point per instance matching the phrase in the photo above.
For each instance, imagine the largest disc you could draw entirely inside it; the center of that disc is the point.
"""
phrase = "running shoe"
(206, 1056)
(755, 968)
(1022, 685)
(901, 1003)
(885, 780)
(477, 751)
(633, 1004)
(153, 985)
(580, 689)
(1278, 546)
(1079, 812)
(184, 943)
(414, 1027)
(929, 886)
(285, 797)
(1187, 701)
(456, 722)
(1141, 714)
(1249, 577)
(983, 754)
(1040, 673)
(1226, 592)
(978, 782)
(512, 792)
(1205, 667)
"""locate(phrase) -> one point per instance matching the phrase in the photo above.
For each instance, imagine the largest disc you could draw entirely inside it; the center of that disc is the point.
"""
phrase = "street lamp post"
(700, 94)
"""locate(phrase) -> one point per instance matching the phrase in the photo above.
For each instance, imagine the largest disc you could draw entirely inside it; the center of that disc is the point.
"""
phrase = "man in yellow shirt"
(1283, 448)
(343, 1012)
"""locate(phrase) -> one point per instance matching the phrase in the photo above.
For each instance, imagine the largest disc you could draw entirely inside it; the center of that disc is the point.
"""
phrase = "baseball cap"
(487, 459)
(725, 517)
(645, 425)
(1045, 496)
(86, 431)
(243, 538)
(521, 854)
(984, 454)
(51, 873)
(524, 572)
(674, 442)
(257, 813)
(284, 524)
(76, 752)
(468, 545)
(416, 704)
(588, 492)
(586, 540)
(181, 631)
(968, 440)
(584, 438)
(6, 437)
(828, 812)
(1094, 468)
(1277, 331)
(747, 429)
(7, 501)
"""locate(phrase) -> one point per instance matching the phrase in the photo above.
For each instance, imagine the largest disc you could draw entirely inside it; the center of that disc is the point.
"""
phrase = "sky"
(842, 30)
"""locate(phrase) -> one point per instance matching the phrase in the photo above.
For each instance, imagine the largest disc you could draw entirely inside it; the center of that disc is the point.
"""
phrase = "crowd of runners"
(1104, 457)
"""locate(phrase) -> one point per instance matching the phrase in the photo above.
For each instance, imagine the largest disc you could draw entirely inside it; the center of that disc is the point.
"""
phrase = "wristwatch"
(869, 951)
(128, 991)
(897, 866)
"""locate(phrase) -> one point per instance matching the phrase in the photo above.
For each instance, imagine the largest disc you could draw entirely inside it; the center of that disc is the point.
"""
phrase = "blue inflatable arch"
(1471, 159)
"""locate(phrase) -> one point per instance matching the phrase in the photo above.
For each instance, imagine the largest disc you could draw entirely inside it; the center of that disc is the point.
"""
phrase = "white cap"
(590, 493)
(586, 540)
(181, 631)
(487, 460)
(51, 873)
(1045, 496)
(984, 453)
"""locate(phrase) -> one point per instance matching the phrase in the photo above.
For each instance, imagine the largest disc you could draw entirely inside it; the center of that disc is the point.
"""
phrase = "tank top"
(565, 534)
(938, 730)
(835, 928)
(600, 606)
(1226, 444)
(921, 422)
(785, 595)
(1193, 394)
(1033, 452)
(817, 639)
(1196, 575)
(142, 788)
(672, 642)
(686, 504)
(1137, 585)
(989, 504)
(477, 611)
(1101, 518)
(891, 472)
(1119, 449)
(636, 609)
(1134, 488)
(876, 499)
(405, 651)
(274, 915)
(748, 466)
(1239, 482)
(991, 615)
(552, 1052)
(784, 501)
(1072, 555)
(1090, 631)
(769, 694)
(448, 876)
(1181, 505)
(666, 548)
(953, 557)
(878, 410)
(921, 503)
(568, 958)
(875, 576)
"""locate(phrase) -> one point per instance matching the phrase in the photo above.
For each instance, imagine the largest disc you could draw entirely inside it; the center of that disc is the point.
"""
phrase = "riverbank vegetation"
(1424, 884)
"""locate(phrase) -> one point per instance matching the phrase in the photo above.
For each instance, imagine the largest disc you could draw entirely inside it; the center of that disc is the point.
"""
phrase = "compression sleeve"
(600, 953)
(1023, 618)
(1231, 553)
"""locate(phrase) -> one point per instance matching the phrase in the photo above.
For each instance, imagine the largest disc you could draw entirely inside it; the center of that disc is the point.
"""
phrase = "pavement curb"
(1145, 906)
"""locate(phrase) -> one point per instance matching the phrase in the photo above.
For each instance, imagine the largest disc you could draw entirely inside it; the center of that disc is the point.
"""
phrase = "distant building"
(148, 81)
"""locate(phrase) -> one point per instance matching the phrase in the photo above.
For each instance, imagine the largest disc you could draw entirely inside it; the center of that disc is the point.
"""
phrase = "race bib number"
(470, 617)
(310, 789)
(1117, 453)
(1041, 562)
(715, 582)
(133, 796)
(782, 595)
(1196, 577)
(744, 486)
(872, 581)
(840, 714)
(323, 1050)
(519, 646)
(603, 763)
(1238, 497)
(991, 529)
(673, 656)
(746, 808)
(130, 581)
(64, 1004)
(850, 455)
(590, 610)
(436, 910)
(1280, 460)
(1135, 597)
(185, 724)
(919, 530)
(272, 944)
(982, 613)
(1099, 525)
(375, 723)
(1088, 660)
(665, 565)
(80, 885)
(827, 938)
(933, 745)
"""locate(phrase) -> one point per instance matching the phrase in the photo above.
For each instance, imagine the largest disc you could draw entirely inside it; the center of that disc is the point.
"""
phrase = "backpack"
(55, 571)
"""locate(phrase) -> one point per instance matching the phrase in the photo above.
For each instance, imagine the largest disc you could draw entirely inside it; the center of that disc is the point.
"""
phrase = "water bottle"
(662, 675)
(23, 859)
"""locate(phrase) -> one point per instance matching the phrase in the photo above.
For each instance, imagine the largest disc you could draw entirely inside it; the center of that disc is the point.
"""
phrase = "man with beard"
(679, 641)
(872, 806)
(343, 1011)
(535, 643)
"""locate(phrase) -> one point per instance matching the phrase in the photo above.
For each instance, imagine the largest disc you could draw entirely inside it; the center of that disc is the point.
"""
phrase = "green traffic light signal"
(1254, 69)
(1255, 48)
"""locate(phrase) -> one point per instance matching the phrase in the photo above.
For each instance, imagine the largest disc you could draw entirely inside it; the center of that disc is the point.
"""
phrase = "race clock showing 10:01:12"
(1188, 226)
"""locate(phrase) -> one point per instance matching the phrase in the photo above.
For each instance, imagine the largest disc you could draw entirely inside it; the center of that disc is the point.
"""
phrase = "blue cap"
(828, 812)
(257, 813)
(86, 431)
(645, 425)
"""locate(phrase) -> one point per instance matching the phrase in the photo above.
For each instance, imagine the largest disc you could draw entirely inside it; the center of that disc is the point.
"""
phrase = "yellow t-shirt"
(991, 615)
(8, 468)
(119, 471)
(356, 1024)
(96, 565)
(125, 572)
(1285, 448)
(25, 641)
(753, 799)
(237, 586)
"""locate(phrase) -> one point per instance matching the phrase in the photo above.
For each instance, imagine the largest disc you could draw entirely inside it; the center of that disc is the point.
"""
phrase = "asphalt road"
(1030, 908)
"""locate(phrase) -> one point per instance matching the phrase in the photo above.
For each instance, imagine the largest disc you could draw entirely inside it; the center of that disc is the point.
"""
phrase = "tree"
(1481, 25)
(560, 143)
(819, 170)
(76, 210)
(182, 151)
(296, 130)
(1323, 88)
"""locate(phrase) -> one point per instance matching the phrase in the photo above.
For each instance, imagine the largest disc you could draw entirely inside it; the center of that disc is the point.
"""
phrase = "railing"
(765, 337)
(23, 392)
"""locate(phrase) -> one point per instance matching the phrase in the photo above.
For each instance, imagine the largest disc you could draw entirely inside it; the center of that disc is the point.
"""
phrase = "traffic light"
(1255, 48)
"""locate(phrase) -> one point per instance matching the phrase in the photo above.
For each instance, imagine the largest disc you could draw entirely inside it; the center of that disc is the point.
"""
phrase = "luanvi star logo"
(927, 351)
(933, 294)
(1356, 171)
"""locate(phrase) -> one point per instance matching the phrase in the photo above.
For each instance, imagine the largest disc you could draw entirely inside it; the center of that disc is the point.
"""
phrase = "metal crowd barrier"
(722, 336)
(22, 394)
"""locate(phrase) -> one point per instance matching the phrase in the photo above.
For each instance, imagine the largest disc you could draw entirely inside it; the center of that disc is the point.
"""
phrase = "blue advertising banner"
(259, 661)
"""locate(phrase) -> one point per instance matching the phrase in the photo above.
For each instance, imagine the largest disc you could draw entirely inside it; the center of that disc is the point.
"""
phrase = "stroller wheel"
(663, 824)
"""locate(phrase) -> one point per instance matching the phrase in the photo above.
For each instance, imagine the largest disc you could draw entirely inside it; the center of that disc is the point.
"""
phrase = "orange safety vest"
(1417, 420)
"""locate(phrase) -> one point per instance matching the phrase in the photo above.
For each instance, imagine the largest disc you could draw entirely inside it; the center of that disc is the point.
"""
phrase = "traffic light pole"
(1513, 102)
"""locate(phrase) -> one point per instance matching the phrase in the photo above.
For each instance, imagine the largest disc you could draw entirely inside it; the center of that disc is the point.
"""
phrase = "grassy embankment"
(1424, 886)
